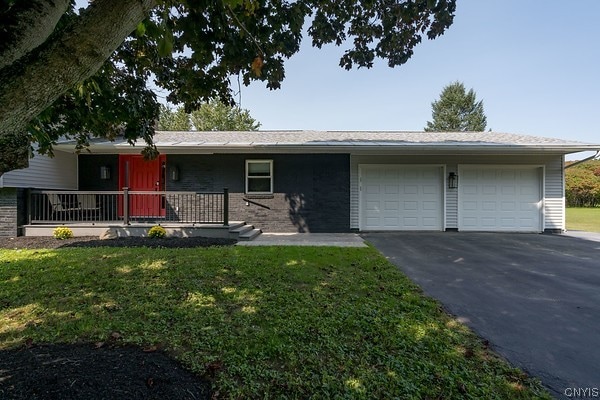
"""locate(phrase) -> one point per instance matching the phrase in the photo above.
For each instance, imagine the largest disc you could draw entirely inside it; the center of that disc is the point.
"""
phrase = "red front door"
(140, 175)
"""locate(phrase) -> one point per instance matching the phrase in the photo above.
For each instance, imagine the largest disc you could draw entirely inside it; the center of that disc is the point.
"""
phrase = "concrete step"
(240, 229)
(250, 234)
(243, 231)
(235, 225)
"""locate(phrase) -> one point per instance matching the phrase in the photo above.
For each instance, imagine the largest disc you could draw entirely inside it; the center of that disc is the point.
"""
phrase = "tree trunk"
(28, 88)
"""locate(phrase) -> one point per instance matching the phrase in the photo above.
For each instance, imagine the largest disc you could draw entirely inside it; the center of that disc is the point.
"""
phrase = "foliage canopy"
(211, 116)
(582, 184)
(84, 73)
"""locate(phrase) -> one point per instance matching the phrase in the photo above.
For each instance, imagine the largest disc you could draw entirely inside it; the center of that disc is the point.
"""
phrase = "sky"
(534, 63)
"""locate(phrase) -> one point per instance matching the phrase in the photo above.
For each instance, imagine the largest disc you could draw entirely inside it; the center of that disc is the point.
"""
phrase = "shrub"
(157, 231)
(62, 232)
(582, 185)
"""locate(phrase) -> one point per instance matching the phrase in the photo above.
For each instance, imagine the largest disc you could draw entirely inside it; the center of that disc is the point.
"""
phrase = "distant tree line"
(583, 185)
(211, 116)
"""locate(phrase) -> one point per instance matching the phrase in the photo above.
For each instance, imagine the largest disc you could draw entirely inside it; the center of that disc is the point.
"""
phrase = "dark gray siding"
(311, 191)
(89, 171)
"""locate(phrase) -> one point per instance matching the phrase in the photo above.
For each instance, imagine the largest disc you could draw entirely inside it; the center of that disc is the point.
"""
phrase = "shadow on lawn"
(333, 322)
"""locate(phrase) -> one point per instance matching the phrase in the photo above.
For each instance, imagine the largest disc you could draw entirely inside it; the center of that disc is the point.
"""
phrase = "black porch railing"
(64, 207)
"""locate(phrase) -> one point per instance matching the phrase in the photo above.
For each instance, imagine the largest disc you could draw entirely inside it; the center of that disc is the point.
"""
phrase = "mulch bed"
(90, 371)
(73, 372)
(27, 242)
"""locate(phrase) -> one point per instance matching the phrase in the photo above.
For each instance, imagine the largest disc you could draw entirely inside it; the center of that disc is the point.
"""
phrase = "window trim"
(248, 162)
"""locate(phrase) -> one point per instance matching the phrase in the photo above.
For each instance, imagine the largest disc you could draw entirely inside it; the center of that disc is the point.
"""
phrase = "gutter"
(584, 160)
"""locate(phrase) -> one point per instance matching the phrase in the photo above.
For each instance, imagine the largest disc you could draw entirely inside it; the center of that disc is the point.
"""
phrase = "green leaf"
(140, 30)
(165, 44)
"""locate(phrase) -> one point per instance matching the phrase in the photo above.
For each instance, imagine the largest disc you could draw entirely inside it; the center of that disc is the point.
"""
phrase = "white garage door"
(500, 199)
(401, 197)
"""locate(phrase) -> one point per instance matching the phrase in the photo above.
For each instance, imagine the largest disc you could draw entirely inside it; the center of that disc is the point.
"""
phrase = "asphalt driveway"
(536, 298)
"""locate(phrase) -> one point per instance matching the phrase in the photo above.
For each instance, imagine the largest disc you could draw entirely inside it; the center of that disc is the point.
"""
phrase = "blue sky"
(535, 65)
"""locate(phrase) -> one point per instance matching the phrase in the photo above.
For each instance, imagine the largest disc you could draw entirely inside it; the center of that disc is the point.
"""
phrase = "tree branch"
(72, 56)
(26, 25)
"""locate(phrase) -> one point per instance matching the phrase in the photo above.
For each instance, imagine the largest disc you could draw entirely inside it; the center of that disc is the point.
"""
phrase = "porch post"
(225, 206)
(28, 204)
(125, 206)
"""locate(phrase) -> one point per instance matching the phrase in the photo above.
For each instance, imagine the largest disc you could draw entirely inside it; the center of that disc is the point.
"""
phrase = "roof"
(348, 141)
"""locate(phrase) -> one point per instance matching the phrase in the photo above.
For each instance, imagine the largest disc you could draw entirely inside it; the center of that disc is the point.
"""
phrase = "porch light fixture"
(452, 180)
(105, 172)
(174, 173)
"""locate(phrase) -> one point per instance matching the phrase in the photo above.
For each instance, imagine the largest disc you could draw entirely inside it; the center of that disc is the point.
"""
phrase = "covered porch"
(132, 213)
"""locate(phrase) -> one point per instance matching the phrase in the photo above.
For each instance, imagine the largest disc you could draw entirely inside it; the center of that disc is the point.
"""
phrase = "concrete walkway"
(306, 239)
(593, 236)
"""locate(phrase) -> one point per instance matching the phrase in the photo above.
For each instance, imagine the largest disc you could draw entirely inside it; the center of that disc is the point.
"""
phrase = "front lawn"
(583, 219)
(268, 322)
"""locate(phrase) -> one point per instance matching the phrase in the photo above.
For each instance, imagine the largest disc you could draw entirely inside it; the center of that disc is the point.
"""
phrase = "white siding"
(452, 200)
(44, 172)
(554, 204)
(553, 180)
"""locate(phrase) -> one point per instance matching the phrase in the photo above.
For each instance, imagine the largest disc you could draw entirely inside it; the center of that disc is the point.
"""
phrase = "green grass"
(293, 322)
(583, 219)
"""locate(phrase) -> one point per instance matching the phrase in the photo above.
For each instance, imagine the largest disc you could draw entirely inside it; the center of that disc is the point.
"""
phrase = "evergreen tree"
(457, 111)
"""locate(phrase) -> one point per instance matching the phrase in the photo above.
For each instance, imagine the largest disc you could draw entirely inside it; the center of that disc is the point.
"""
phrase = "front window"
(259, 176)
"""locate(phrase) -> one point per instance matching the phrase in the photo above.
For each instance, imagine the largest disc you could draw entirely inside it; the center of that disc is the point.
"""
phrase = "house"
(302, 181)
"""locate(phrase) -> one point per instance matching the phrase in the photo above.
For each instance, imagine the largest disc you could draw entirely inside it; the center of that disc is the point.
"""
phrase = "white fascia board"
(335, 147)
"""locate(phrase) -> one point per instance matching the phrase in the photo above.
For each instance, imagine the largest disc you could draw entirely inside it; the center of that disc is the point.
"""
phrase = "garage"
(500, 198)
(401, 197)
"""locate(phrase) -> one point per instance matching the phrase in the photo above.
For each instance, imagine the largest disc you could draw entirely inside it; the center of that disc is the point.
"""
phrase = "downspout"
(584, 160)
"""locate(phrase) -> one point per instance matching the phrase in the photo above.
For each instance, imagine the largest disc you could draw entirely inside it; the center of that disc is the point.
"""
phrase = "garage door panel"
(410, 206)
(500, 198)
(430, 189)
(410, 222)
(390, 221)
(508, 206)
(487, 206)
(489, 190)
(410, 189)
(407, 198)
(469, 189)
(528, 191)
(488, 222)
(472, 205)
(389, 189)
(430, 205)
(430, 222)
(508, 190)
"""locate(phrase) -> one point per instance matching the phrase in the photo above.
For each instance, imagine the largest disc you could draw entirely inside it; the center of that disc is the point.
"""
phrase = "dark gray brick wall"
(311, 191)
(8, 212)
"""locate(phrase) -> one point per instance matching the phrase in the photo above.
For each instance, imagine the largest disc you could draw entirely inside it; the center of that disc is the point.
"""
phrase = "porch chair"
(60, 208)
(88, 205)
